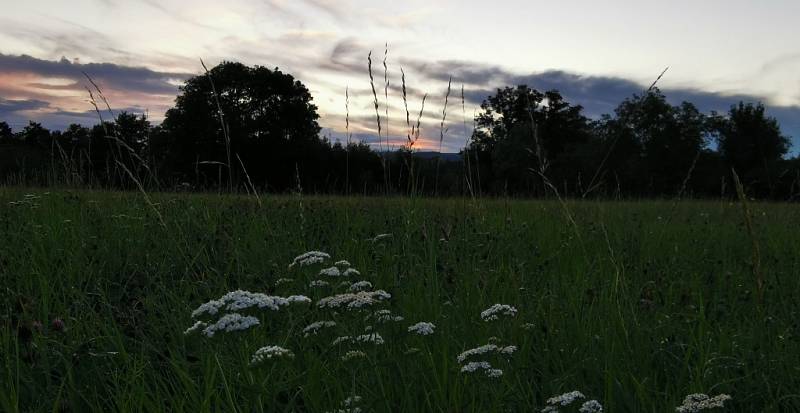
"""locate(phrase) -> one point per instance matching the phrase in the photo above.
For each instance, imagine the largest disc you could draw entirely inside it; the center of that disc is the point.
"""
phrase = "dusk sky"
(595, 53)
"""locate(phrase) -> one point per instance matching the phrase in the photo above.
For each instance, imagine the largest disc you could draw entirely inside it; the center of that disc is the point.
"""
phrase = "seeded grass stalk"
(441, 135)
(378, 123)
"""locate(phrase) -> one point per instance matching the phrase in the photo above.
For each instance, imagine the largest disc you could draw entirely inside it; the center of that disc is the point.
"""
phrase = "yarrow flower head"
(697, 402)
(231, 322)
(422, 328)
(269, 352)
(563, 400)
(318, 283)
(361, 286)
(354, 301)
(493, 312)
(197, 326)
(298, 299)
(342, 263)
(314, 327)
(484, 349)
(353, 354)
(309, 258)
(591, 406)
(385, 316)
(351, 272)
(240, 300)
(373, 338)
(484, 366)
(330, 272)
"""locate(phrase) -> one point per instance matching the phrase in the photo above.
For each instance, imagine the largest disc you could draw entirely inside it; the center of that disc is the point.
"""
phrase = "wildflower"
(385, 316)
(422, 328)
(488, 348)
(699, 401)
(330, 272)
(528, 326)
(496, 310)
(507, 350)
(301, 299)
(231, 322)
(591, 406)
(309, 258)
(354, 300)
(342, 263)
(314, 327)
(239, 300)
(351, 272)
(269, 352)
(280, 281)
(565, 399)
(353, 354)
(361, 285)
(196, 326)
(474, 366)
(58, 325)
(318, 283)
(373, 338)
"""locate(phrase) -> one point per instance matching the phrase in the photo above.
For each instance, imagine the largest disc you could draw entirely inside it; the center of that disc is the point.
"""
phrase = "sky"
(595, 53)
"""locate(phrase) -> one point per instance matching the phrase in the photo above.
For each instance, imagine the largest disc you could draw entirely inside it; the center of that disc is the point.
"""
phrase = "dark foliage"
(239, 128)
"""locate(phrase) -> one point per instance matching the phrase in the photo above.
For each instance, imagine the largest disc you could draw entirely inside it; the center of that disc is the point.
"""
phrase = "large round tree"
(239, 115)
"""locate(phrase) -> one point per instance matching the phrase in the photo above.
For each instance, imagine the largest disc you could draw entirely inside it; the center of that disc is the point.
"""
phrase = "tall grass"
(636, 312)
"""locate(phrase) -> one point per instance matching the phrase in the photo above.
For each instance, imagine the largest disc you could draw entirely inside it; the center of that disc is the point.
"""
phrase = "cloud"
(9, 106)
(139, 79)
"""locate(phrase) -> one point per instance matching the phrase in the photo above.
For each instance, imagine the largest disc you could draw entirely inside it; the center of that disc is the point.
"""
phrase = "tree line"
(245, 128)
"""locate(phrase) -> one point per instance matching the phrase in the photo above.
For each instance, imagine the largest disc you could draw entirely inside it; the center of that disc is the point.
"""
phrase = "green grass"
(637, 304)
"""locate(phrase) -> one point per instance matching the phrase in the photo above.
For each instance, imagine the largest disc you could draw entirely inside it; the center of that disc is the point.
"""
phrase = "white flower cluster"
(422, 328)
(385, 316)
(566, 399)
(361, 286)
(699, 401)
(351, 272)
(318, 283)
(353, 354)
(239, 300)
(342, 263)
(298, 299)
(309, 258)
(354, 300)
(269, 352)
(330, 272)
(230, 322)
(314, 327)
(591, 406)
(373, 338)
(484, 366)
(484, 349)
(493, 312)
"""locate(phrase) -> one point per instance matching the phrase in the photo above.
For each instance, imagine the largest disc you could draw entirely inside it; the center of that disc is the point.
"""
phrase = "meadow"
(634, 304)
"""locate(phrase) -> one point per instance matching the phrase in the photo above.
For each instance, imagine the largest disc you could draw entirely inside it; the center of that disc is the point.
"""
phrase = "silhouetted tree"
(269, 116)
(6, 135)
(750, 141)
(35, 134)
(521, 130)
(653, 144)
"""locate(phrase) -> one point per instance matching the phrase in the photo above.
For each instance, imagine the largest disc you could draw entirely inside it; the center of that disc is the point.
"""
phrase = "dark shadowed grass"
(628, 305)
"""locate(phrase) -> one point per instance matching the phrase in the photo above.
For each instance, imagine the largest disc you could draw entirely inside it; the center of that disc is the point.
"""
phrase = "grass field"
(635, 304)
